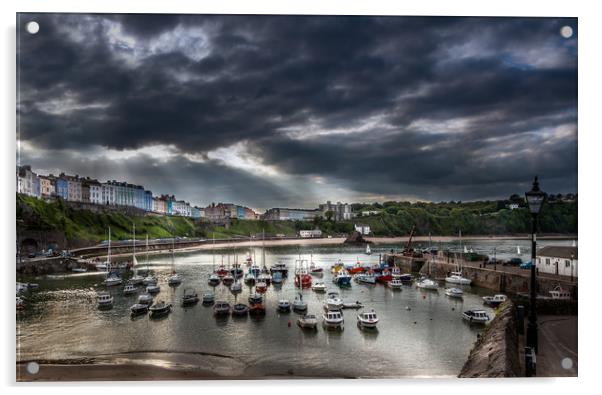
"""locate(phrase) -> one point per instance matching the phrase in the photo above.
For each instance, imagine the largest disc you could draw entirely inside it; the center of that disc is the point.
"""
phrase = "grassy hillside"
(90, 226)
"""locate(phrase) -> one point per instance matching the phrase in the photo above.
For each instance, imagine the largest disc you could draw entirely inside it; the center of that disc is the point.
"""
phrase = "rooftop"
(558, 252)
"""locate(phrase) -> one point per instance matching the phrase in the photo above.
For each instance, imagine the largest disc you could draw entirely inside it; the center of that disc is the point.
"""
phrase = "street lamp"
(535, 199)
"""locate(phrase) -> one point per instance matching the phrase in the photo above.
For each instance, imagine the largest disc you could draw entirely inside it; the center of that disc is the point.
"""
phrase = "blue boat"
(342, 279)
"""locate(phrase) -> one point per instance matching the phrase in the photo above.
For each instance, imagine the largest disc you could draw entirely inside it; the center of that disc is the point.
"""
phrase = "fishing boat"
(308, 321)
(255, 270)
(396, 273)
(333, 319)
(240, 309)
(333, 301)
(366, 278)
(208, 298)
(495, 300)
(236, 287)
(255, 298)
(395, 284)
(476, 316)
(299, 305)
(159, 308)
(368, 251)
(560, 293)
(228, 279)
(153, 289)
(261, 287)
(104, 300)
(454, 292)
(279, 268)
(145, 298)
(302, 277)
(319, 287)
(456, 278)
(342, 278)
(338, 265)
(427, 284)
(256, 309)
(221, 308)
(277, 278)
(129, 289)
(139, 308)
(250, 278)
(384, 277)
(367, 319)
(190, 297)
(175, 278)
(284, 306)
(214, 280)
(357, 268)
(136, 279)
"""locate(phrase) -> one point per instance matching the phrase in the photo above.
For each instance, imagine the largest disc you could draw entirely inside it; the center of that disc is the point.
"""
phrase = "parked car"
(514, 262)
(525, 265)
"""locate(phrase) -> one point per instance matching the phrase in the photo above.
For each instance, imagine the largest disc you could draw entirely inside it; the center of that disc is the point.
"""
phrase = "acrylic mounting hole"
(566, 31)
(33, 368)
(32, 27)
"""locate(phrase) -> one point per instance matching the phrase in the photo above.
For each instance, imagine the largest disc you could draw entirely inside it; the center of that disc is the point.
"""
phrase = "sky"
(292, 111)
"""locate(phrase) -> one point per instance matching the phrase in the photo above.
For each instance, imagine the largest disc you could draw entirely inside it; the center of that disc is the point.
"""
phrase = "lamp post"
(535, 199)
(572, 258)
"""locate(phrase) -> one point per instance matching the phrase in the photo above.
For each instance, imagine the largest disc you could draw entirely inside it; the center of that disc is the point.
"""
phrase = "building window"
(567, 263)
(547, 261)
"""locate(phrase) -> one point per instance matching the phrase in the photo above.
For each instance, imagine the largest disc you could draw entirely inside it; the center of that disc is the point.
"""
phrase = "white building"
(370, 212)
(27, 181)
(109, 193)
(310, 233)
(96, 195)
(557, 260)
(341, 211)
(362, 229)
(74, 188)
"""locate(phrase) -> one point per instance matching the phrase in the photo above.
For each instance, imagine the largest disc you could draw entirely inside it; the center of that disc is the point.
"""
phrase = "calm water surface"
(420, 333)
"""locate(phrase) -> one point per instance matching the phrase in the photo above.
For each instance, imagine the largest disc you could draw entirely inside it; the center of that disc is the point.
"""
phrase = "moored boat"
(457, 278)
(366, 278)
(428, 284)
(240, 309)
(454, 292)
(299, 305)
(145, 298)
(333, 319)
(342, 278)
(277, 278)
(153, 289)
(319, 287)
(189, 297)
(333, 301)
(560, 293)
(367, 319)
(139, 308)
(395, 284)
(221, 308)
(208, 298)
(308, 321)
(104, 300)
(129, 289)
(475, 316)
(159, 308)
(353, 305)
(214, 280)
(495, 300)
(279, 268)
(284, 306)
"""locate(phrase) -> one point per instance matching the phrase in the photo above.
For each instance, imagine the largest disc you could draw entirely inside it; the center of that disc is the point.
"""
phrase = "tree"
(329, 214)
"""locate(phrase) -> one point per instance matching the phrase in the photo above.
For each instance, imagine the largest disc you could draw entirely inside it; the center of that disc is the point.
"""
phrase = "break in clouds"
(292, 110)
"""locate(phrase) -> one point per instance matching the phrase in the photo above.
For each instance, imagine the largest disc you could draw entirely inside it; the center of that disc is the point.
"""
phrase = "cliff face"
(496, 353)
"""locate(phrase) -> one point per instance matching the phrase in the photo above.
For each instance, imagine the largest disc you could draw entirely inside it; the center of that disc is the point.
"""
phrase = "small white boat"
(299, 304)
(333, 301)
(145, 298)
(221, 308)
(367, 319)
(79, 270)
(395, 284)
(102, 266)
(136, 279)
(208, 298)
(112, 280)
(159, 309)
(560, 293)
(189, 297)
(368, 251)
(476, 316)
(319, 287)
(139, 308)
(454, 292)
(284, 306)
(308, 321)
(149, 280)
(333, 319)
(214, 279)
(104, 300)
(129, 289)
(175, 279)
(495, 300)
(427, 284)
(153, 289)
(456, 278)
(240, 309)
(236, 287)
(21, 287)
(365, 278)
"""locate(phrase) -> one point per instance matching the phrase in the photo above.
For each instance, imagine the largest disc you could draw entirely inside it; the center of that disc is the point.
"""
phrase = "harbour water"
(420, 333)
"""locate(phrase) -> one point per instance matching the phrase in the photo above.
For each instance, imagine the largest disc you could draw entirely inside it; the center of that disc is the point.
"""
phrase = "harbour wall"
(496, 353)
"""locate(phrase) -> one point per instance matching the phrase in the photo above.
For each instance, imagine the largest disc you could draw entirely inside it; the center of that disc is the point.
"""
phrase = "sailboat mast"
(134, 231)
(213, 251)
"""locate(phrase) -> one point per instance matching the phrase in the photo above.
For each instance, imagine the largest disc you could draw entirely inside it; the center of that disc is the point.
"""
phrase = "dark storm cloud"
(441, 108)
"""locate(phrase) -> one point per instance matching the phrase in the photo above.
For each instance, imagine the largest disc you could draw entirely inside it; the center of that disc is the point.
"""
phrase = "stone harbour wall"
(496, 352)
